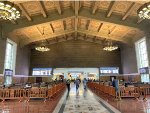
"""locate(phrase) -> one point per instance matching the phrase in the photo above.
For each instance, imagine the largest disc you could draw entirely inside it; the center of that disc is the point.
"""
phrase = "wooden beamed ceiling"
(85, 20)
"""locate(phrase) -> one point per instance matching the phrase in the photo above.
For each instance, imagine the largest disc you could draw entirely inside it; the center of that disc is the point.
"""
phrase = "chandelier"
(9, 11)
(144, 11)
(42, 47)
(109, 46)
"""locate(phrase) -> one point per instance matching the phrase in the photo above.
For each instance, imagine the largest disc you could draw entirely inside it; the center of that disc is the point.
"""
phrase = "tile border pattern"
(61, 105)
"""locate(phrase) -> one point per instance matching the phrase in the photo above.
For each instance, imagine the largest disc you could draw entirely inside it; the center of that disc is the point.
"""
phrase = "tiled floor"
(82, 101)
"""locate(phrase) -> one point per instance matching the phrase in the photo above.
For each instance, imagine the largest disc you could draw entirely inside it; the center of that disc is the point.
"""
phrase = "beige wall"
(22, 58)
(2, 54)
(22, 61)
(128, 59)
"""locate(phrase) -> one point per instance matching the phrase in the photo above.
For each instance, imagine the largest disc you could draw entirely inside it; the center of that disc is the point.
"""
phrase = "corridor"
(82, 101)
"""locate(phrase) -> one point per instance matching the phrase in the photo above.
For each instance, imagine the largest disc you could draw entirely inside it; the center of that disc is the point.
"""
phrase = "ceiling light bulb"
(1, 3)
(14, 9)
(144, 11)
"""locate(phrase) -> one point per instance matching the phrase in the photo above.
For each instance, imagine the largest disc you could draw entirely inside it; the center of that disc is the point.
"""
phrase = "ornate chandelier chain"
(109, 45)
(42, 47)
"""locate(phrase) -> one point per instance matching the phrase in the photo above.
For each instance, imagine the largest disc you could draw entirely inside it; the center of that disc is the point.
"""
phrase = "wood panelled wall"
(75, 53)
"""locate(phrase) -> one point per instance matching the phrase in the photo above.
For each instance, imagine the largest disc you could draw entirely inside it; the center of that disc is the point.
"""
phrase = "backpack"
(68, 82)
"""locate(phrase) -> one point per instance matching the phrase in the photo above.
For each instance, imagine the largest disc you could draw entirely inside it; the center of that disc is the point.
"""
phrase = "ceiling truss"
(77, 14)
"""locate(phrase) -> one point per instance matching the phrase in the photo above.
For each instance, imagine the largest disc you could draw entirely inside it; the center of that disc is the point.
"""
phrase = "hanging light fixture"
(144, 11)
(42, 47)
(9, 11)
(109, 45)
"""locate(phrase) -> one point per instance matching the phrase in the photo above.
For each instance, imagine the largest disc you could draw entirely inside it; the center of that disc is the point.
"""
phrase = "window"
(10, 55)
(142, 57)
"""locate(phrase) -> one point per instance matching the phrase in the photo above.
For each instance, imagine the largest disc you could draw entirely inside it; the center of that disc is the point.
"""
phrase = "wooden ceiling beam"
(130, 9)
(47, 41)
(52, 27)
(76, 25)
(73, 23)
(18, 1)
(57, 5)
(95, 6)
(64, 28)
(56, 39)
(65, 37)
(94, 39)
(111, 8)
(125, 33)
(27, 36)
(39, 31)
(73, 5)
(38, 19)
(42, 9)
(88, 24)
(112, 30)
(64, 24)
(24, 11)
(115, 19)
(91, 40)
(100, 26)
(56, 34)
(85, 37)
(104, 35)
(68, 13)
(75, 35)
(77, 6)
(54, 42)
(71, 38)
(80, 4)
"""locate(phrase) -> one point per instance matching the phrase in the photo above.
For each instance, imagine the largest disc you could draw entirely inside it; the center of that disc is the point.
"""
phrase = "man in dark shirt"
(68, 84)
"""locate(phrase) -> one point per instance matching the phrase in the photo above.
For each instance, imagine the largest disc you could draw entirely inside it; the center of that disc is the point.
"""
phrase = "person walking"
(77, 82)
(68, 84)
(85, 83)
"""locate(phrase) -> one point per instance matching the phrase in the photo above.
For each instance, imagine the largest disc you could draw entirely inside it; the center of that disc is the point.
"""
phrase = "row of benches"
(135, 92)
(27, 94)
(99, 88)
